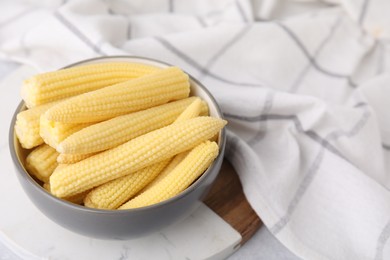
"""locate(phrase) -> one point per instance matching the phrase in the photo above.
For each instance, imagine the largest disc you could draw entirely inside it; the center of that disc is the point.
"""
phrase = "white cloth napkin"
(304, 85)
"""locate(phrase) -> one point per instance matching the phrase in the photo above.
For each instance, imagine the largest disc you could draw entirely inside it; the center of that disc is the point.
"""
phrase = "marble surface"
(262, 246)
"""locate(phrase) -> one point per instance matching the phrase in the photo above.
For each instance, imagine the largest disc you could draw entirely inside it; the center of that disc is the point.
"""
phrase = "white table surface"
(263, 245)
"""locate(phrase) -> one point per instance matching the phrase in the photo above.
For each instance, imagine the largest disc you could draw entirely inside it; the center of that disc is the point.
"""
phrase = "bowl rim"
(21, 171)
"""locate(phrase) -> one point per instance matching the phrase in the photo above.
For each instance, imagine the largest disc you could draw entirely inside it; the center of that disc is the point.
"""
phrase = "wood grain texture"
(226, 198)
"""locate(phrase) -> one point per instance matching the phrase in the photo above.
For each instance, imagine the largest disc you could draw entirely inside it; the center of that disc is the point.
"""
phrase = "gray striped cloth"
(304, 85)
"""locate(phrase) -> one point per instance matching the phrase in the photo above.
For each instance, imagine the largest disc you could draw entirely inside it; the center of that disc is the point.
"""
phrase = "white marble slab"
(31, 235)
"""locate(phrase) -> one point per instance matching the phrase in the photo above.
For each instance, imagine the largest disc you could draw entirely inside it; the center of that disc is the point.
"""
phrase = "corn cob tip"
(41, 162)
(27, 126)
(27, 88)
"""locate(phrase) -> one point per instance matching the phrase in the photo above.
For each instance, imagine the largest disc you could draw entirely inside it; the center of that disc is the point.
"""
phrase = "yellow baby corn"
(56, 85)
(76, 199)
(55, 132)
(41, 162)
(192, 110)
(65, 158)
(118, 130)
(27, 126)
(172, 164)
(193, 165)
(129, 96)
(116, 192)
(134, 155)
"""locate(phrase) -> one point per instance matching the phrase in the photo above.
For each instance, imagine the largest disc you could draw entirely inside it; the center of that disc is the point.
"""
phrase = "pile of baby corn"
(115, 135)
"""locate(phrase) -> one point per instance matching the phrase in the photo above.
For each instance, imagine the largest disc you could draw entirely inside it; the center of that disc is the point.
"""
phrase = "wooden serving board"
(226, 198)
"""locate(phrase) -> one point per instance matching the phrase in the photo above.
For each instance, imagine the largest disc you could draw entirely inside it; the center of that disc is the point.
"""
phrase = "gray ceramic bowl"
(119, 224)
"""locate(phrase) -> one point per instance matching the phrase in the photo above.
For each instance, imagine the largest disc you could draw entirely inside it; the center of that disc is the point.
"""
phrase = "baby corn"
(65, 158)
(76, 199)
(172, 165)
(116, 192)
(27, 126)
(130, 96)
(56, 85)
(134, 155)
(55, 132)
(41, 162)
(192, 111)
(186, 172)
(118, 130)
